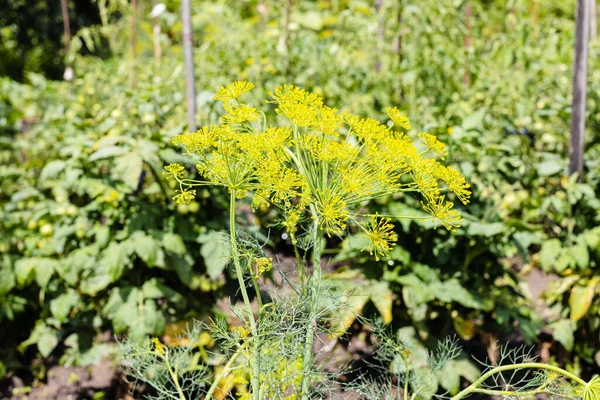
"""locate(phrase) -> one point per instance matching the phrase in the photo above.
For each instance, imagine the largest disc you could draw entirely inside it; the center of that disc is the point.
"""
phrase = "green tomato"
(183, 208)
(72, 210)
(32, 224)
(194, 207)
(61, 210)
(47, 229)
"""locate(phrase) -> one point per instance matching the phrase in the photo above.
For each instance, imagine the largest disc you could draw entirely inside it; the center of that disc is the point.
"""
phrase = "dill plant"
(318, 170)
(516, 373)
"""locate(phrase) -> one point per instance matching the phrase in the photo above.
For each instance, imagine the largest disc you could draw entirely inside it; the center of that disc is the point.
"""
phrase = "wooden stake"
(580, 68)
(188, 53)
(593, 22)
(133, 43)
(156, 37)
(468, 15)
(380, 34)
(68, 75)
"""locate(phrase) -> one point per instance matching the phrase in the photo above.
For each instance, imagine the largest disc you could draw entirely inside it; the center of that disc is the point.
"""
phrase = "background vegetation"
(91, 245)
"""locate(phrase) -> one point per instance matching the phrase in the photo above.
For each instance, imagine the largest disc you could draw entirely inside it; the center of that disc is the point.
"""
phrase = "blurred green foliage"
(89, 240)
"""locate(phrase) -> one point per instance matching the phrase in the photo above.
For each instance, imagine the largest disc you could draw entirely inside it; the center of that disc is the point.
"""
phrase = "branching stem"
(314, 284)
(240, 275)
(221, 374)
(474, 387)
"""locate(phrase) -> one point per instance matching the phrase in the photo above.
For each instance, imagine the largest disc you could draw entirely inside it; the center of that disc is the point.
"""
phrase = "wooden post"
(66, 25)
(68, 75)
(284, 39)
(133, 42)
(398, 46)
(468, 15)
(262, 12)
(593, 22)
(580, 67)
(156, 36)
(188, 53)
(380, 34)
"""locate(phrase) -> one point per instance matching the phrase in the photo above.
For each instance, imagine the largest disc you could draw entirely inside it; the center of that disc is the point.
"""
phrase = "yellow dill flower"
(280, 185)
(184, 197)
(328, 121)
(263, 264)
(203, 139)
(332, 212)
(443, 213)
(381, 237)
(159, 348)
(366, 128)
(294, 94)
(174, 169)
(302, 108)
(242, 331)
(456, 183)
(433, 144)
(233, 90)
(290, 223)
(298, 113)
(398, 118)
(238, 115)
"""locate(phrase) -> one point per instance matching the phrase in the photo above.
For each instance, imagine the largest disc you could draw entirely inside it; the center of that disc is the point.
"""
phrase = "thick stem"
(474, 386)
(174, 378)
(220, 376)
(314, 284)
(240, 275)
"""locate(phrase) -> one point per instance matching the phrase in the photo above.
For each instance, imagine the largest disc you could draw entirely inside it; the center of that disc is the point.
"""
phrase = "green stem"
(313, 289)
(175, 380)
(474, 386)
(220, 375)
(406, 381)
(240, 275)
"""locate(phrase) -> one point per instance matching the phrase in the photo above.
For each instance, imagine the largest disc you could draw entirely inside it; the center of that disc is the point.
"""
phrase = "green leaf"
(475, 120)
(182, 266)
(581, 298)
(216, 253)
(147, 249)
(63, 304)
(549, 253)
(51, 170)
(579, 252)
(129, 168)
(7, 280)
(45, 337)
(25, 271)
(562, 331)
(44, 270)
(485, 229)
(114, 260)
(173, 243)
(97, 281)
(381, 295)
(106, 152)
(449, 376)
(565, 260)
(549, 167)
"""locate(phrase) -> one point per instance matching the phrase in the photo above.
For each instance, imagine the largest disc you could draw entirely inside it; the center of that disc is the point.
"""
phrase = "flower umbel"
(233, 90)
(398, 118)
(443, 213)
(185, 196)
(381, 237)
